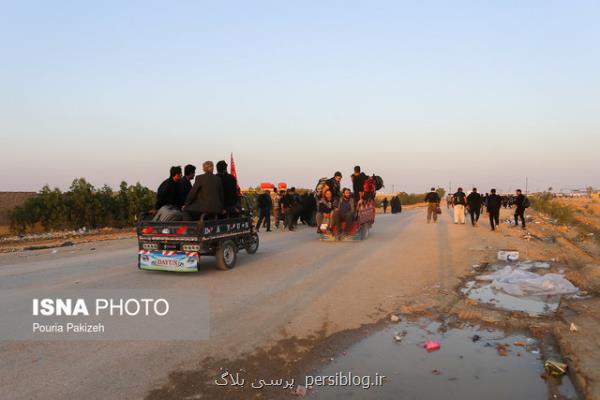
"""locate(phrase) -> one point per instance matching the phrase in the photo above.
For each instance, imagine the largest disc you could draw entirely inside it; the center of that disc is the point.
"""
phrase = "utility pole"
(526, 185)
(393, 189)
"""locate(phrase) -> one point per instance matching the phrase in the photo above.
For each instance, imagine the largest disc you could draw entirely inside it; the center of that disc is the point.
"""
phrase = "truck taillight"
(190, 247)
(150, 246)
(148, 230)
(181, 230)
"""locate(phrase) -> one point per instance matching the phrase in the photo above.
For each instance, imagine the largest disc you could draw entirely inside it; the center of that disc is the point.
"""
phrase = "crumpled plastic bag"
(517, 282)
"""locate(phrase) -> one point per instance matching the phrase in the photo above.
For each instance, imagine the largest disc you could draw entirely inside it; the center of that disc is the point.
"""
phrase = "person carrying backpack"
(358, 184)
(433, 202)
(459, 202)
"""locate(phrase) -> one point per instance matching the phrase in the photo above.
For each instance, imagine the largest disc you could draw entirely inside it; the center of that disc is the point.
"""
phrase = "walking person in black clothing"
(474, 204)
(433, 203)
(494, 203)
(385, 204)
(290, 206)
(265, 205)
(520, 206)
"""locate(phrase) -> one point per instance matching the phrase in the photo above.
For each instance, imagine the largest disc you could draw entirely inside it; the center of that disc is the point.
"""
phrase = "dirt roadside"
(11, 244)
(456, 248)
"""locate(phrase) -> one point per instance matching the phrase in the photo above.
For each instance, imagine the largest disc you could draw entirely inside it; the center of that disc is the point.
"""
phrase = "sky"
(422, 93)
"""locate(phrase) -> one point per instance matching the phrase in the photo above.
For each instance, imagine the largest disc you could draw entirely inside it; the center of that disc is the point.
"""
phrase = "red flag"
(233, 172)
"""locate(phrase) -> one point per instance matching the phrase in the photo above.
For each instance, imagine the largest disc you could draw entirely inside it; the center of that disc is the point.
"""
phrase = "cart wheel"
(226, 255)
(252, 246)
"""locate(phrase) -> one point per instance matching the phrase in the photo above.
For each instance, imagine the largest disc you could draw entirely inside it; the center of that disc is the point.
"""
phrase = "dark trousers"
(384, 209)
(494, 218)
(264, 216)
(475, 213)
(289, 219)
(520, 212)
(339, 217)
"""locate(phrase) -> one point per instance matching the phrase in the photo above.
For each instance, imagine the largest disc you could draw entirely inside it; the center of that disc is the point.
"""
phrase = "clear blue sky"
(421, 93)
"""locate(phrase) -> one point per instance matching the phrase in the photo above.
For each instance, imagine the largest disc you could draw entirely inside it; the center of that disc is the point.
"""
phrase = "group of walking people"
(476, 204)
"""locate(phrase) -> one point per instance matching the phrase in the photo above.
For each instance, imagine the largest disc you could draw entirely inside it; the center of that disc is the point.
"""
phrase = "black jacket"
(184, 188)
(264, 201)
(230, 190)
(432, 197)
(206, 195)
(494, 203)
(358, 182)
(334, 187)
(459, 198)
(519, 200)
(168, 195)
(474, 200)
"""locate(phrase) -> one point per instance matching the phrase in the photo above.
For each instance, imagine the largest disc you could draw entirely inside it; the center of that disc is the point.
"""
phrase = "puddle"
(461, 369)
(532, 305)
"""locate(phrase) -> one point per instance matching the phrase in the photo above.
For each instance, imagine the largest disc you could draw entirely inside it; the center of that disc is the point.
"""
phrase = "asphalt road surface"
(294, 285)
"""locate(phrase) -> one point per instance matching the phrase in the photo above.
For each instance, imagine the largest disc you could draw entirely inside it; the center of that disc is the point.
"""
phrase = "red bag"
(369, 185)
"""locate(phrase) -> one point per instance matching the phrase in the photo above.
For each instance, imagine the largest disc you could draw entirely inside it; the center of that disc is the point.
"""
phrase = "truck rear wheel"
(252, 245)
(226, 255)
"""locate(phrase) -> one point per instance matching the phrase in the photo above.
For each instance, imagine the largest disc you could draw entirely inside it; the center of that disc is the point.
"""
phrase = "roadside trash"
(432, 345)
(395, 318)
(397, 338)
(517, 282)
(436, 372)
(573, 327)
(520, 344)
(555, 368)
(508, 255)
(476, 338)
(300, 391)
(526, 265)
(67, 244)
(502, 350)
(54, 251)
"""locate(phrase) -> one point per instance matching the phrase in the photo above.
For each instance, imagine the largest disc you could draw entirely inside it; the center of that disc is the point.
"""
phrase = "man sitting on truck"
(344, 212)
(185, 184)
(333, 184)
(168, 198)
(231, 198)
(206, 196)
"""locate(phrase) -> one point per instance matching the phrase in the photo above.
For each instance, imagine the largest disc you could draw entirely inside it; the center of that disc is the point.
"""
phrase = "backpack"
(377, 181)
(526, 203)
(320, 186)
(369, 185)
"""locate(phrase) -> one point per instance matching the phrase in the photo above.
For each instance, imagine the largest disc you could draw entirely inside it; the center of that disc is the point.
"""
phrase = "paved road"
(294, 285)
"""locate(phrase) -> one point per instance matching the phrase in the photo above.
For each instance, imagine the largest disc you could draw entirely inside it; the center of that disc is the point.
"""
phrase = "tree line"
(82, 205)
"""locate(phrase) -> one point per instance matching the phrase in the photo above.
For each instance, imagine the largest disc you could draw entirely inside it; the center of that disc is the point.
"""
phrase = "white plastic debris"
(527, 265)
(395, 318)
(573, 327)
(508, 255)
(517, 282)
